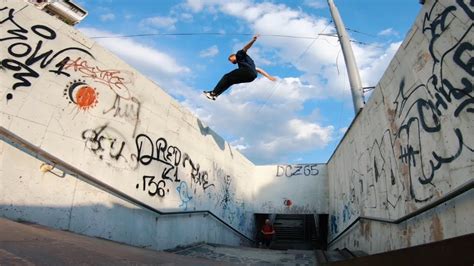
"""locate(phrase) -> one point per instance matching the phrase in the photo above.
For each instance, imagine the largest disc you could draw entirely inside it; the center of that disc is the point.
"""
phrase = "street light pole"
(352, 70)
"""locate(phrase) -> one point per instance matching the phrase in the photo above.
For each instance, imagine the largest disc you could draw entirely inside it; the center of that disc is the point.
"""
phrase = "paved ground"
(30, 244)
(250, 256)
(26, 244)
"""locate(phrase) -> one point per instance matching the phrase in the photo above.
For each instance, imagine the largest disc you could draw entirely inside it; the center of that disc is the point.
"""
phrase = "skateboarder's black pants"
(239, 75)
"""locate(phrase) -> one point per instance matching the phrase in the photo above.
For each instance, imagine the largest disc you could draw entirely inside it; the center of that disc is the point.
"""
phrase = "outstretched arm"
(261, 71)
(248, 45)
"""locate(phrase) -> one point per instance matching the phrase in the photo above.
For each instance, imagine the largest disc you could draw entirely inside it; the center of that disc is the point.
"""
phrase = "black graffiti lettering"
(94, 138)
(307, 170)
(16, 66)
(44, 32)
(408, 155)
(46, 57)
(60, 66)
(314, 169)
(159, 186)
(129, 109)
(288, 173)
(30, 57)
(198, 177)
(18, 33)
(171, 158)
(174, 157)
(279, 167)
(437, 26)
(17, 53)
(205, 178)
(465, 7)
(297, 170)
(108, 143)
(466, 49)
(117, 154)
(423, 114)
(144, 157)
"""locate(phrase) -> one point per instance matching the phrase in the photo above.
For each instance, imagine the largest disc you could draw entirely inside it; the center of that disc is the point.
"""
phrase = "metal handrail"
(452, 194)
(18, 142)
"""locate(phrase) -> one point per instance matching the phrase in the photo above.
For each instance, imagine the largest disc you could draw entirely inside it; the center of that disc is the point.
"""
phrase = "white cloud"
(316, 3)
(186, 17)
(209, 52)
(389, 32)
(265, 116)
(160, 22)
(304, 131)
(262, 119)
(318, 65)
(107, 17)
(198, 5)
(262, 116)
(145, 58)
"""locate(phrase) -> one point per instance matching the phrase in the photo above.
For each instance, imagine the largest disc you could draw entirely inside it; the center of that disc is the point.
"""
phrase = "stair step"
(334, 255)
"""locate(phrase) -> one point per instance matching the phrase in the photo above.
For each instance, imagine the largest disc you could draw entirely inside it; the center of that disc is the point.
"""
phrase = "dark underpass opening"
(295, 231)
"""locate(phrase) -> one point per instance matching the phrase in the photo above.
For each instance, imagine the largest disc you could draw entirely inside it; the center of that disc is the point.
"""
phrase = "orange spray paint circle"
(86, 97)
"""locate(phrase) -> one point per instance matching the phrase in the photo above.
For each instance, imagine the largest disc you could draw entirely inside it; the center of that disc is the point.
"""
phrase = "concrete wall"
(75, 100)
(62, 201)
(292, 189)
(414, 141)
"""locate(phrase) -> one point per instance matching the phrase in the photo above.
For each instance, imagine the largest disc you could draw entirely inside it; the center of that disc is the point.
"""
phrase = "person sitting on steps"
(267, 233)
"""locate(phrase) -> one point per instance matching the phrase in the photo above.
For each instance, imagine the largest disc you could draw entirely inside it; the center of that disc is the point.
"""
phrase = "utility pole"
(352, 70)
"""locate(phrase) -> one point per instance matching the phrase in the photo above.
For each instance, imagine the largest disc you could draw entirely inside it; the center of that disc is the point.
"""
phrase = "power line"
(221, 34)
(297, 60)
(211, 34)
(363, 33)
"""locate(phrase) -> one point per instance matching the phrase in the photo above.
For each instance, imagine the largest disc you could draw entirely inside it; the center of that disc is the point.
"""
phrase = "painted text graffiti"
(297, 170)
(26, 47)
(171, 159)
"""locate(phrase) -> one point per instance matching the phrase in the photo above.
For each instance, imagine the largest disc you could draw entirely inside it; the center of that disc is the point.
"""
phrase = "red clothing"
(267, 229)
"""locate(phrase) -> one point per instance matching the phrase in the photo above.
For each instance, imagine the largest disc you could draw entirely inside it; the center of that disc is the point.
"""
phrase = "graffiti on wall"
(125, 105)
(171, 159)
(87, 87)
(116, 80)
(110, 146)
(297, 170)
(184, 196)
(430, 124)
(230, 207)
(82, 95)
(423, 108)
(27, 50)
(126, 109)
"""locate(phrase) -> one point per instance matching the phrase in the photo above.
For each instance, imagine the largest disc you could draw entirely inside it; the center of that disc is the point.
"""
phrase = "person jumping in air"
(247, 72)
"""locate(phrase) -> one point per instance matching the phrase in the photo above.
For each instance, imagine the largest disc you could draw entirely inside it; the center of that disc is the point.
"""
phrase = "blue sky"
(302, 116)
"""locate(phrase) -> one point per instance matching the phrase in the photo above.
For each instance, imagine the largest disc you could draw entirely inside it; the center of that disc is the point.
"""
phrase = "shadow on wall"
(208, 131)
(118, 223)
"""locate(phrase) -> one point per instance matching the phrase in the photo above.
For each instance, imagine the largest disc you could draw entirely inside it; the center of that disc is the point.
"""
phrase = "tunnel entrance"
(296, 231)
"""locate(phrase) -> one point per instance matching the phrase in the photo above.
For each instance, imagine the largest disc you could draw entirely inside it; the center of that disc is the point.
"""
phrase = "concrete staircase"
(291, 232)
(289, 227)
(327, 256)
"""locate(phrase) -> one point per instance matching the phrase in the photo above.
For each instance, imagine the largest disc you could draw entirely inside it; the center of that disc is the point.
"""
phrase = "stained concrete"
(250, 256)
(29, 244)
(110, 136)
(413, 143)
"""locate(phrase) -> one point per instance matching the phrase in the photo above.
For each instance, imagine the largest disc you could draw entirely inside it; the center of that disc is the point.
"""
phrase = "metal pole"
(352, 70)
